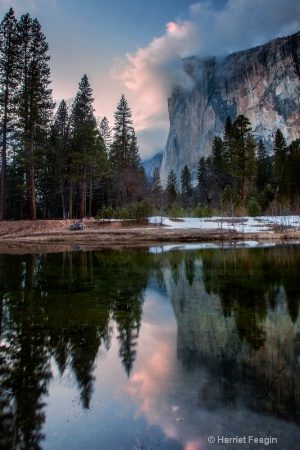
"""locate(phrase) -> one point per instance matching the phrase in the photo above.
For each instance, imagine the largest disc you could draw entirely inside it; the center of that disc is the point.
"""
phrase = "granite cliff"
(151, 163)
(262, 83)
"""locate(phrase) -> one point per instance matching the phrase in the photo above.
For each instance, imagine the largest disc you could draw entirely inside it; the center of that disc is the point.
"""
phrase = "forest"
(61, 161)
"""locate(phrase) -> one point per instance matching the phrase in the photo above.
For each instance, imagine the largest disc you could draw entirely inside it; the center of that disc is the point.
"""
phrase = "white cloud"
(151, 73)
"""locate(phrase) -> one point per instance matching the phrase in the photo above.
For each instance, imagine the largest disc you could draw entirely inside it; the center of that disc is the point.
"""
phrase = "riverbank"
(55, 235)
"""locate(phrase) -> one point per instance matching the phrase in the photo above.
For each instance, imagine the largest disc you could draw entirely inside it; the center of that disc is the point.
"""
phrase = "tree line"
(240, 176)
(57, 160)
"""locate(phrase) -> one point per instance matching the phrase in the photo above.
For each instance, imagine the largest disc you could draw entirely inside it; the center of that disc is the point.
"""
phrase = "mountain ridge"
(262, 83)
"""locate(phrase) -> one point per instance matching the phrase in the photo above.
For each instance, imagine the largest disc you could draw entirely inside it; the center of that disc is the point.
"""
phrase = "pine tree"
(186, 187)
(158, 196)
(243, 162)
(228, 139)
(106, 132)
(293, 172)
(129, 180)
(9, 79)
(124, 149)
(172, 187)
(186, 182)
(156, 184)
(35, 103)
(59, 154)
(84, 138)
(280, 163)
(204, 177)
(134, 159)
(264, 166)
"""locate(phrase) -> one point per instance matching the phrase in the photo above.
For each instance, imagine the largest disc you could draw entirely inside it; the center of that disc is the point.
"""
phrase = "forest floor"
(55, 235)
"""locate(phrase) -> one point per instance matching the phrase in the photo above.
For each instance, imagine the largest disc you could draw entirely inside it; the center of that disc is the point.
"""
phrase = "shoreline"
(54, 236)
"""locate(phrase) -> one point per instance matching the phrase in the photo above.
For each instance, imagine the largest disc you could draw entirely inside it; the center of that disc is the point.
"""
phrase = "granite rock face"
(150, 165)
(262, 83)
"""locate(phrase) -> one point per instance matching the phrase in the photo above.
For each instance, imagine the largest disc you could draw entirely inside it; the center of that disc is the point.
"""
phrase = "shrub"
(240, 211)
(253, 207)
(106, 213)
(203, 211)
(175, 211)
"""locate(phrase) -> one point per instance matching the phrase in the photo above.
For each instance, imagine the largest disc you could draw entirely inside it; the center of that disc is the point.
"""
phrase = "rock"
(150, 165)
(262, 83)
(76, 226)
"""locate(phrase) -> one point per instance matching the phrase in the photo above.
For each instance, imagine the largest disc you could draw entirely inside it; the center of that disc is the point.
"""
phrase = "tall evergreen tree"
(9, 79)
(172, 187)
(186, 186)
(217, 156)
(186, 181)
(280, 163)
(59, 155)
(157, 194)
(293, 173)
(106, 133)
(156, 183)
(264, 166)
(243, 153)
(220, 164)
(228, 139)
(35, 103)
(84, 139)
(124, 149)
(129, 179)
(204, 177)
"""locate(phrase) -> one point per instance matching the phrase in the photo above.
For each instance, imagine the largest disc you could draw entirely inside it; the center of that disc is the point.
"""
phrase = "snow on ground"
(239, 224)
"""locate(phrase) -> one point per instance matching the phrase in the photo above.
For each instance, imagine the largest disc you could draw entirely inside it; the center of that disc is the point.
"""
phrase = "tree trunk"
(70, 215)
(3, 177)
(32, 205)
(3, 160)
(90, 199)
(242, 190)
(82, 198)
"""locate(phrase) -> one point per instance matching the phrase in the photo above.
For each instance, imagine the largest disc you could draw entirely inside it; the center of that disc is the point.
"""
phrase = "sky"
(135, 48)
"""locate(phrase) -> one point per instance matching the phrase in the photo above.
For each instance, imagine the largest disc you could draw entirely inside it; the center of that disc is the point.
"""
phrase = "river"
(149, 348)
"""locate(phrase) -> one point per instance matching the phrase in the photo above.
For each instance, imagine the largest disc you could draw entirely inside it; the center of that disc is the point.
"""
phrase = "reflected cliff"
(237, 316)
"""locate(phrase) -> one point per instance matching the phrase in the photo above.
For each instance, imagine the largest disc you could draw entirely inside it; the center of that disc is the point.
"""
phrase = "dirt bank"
(55, 235)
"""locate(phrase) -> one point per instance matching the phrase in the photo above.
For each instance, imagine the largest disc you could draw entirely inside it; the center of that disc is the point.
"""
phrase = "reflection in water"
(237, 356)
(61, 306)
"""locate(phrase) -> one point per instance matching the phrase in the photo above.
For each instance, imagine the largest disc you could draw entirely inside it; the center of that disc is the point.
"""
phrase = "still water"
(145, 349)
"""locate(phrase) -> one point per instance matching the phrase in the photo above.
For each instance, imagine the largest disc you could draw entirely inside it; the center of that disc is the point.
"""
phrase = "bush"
(253, 207)
(140, 211)
(240, 211)
(122, 214)
(266, 196)
(203, 211)
(106, 213)
(175, 211)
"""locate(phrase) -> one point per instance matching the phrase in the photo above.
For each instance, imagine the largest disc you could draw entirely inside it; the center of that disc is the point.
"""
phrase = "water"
(145, 349)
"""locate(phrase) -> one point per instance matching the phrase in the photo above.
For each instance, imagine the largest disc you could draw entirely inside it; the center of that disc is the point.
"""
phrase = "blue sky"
(135, 47)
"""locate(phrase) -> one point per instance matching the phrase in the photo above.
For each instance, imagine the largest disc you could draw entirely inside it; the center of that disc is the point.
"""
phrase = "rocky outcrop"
(150, 165)
(262, 83)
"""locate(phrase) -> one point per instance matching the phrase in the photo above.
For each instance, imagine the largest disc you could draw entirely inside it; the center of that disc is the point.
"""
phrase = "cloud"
(242, 24)
(152, 72)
